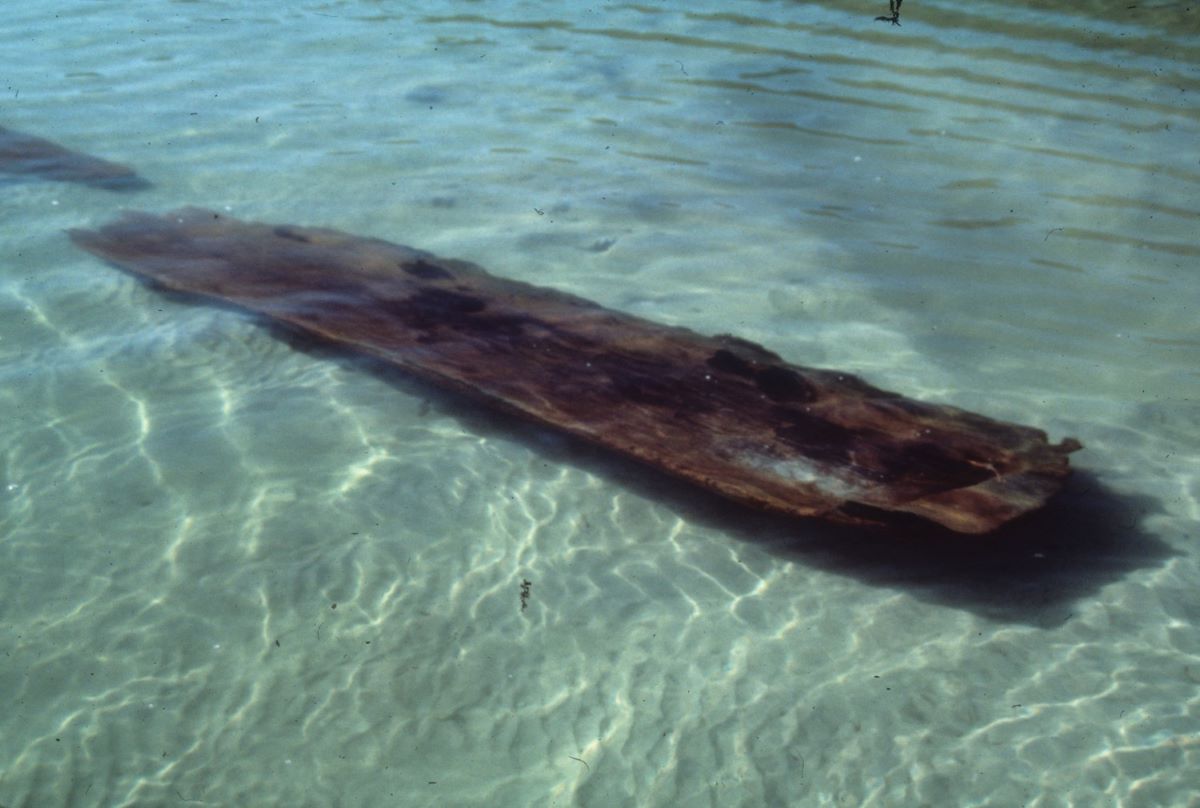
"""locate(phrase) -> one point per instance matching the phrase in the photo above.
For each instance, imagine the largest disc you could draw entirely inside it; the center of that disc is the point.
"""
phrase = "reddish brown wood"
(722, 412)
(28, 155)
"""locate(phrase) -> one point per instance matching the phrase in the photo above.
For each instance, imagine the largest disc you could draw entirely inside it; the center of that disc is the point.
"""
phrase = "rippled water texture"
(239, 571)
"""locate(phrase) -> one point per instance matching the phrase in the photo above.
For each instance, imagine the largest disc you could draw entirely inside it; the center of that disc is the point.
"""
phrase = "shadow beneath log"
(1031, 571)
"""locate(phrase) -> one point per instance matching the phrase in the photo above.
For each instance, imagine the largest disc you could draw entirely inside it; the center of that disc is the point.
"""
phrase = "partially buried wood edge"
(27, 155)
(721, 412)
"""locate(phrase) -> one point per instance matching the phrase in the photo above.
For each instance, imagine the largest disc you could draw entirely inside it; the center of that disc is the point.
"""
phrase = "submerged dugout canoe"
(27, 155)
(721, 412)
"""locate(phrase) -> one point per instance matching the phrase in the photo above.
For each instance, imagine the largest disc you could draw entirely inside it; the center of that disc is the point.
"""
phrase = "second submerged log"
(26, 155)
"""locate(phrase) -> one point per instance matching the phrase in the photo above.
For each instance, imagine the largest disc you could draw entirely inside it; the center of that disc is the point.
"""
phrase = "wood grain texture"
(721, 412)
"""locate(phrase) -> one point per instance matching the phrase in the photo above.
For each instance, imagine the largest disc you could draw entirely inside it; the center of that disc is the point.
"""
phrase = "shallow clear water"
(235, 573)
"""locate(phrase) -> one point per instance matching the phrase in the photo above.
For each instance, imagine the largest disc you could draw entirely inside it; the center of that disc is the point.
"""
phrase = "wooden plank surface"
(721, 412)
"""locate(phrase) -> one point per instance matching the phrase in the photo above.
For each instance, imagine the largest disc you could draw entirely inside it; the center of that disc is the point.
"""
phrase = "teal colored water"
(237, 573)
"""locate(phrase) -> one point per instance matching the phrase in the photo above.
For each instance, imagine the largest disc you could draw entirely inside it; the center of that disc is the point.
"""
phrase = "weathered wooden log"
(722, 412)
(28, 155)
